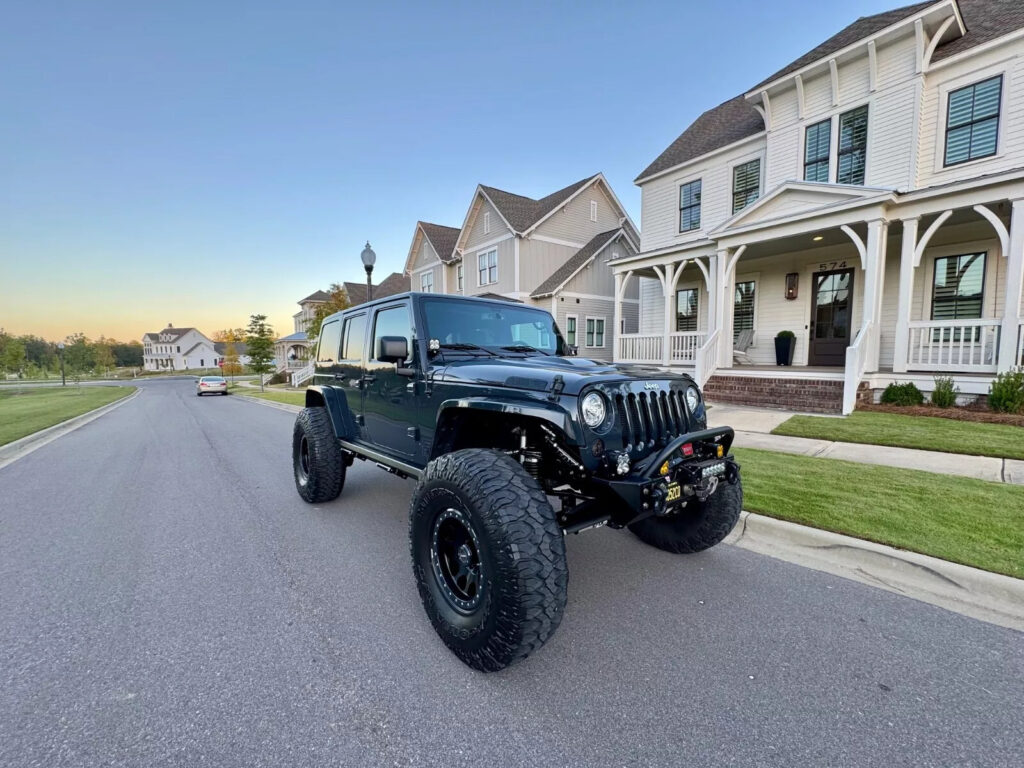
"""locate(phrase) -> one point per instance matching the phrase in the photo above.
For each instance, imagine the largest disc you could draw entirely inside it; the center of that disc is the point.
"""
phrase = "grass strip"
(32, 409)
(297, 397)
(926, 432)
(963, 520)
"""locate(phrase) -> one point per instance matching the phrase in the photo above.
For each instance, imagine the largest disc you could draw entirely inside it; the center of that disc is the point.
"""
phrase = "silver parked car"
(212, 384)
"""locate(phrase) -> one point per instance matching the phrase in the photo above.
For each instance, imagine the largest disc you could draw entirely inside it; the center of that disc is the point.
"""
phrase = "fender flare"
(336, 402)
(550, 413)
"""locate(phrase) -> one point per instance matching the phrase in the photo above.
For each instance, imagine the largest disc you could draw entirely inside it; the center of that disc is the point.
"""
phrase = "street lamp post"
(60, 351)
(369, 258)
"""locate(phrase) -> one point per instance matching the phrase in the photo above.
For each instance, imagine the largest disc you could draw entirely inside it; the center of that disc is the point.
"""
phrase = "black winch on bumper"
(690, 466)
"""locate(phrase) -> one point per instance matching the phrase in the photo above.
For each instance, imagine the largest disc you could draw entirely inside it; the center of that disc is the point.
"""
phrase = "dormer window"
(593, 210)
(817, 148)
(972, 121)
(487, 222)
(853, 146)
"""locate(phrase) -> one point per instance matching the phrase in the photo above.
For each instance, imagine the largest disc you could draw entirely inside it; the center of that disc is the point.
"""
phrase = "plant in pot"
(785, 345)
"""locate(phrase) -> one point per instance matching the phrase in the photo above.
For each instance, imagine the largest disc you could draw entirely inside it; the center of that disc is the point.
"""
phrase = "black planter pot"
(784, 349)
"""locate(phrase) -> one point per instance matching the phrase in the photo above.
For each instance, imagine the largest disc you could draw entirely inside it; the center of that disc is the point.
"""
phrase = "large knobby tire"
(696, 527)
(488, 557)
(317, 459)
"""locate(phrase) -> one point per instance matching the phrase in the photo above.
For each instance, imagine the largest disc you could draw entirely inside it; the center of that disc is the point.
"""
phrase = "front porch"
(895, 286)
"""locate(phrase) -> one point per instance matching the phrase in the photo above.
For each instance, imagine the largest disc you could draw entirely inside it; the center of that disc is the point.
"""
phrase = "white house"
(554, 252)
(868, 197)
(181, 349)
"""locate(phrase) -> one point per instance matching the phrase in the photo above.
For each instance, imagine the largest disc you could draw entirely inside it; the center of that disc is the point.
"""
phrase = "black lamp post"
(60, 352)
(369, 258)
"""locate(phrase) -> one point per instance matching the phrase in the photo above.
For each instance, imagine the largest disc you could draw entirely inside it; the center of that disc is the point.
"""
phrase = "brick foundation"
(817, 395)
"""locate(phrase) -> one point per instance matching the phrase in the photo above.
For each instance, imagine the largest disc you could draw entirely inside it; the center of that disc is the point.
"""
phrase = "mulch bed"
(958, 414)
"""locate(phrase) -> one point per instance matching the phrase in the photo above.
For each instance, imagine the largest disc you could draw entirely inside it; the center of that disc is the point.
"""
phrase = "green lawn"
(928, 432)
(294, 397)
(959, 519)
(30, 410)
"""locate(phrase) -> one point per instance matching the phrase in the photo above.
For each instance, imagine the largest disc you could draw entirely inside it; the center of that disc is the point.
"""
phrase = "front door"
(389, 395)
(831, 317)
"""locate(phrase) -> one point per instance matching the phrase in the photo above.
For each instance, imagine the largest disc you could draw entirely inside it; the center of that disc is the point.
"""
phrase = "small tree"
(338, 301)
(78, 355)
(259, 340)
(103, 354)
(14, 356)
(230, 364)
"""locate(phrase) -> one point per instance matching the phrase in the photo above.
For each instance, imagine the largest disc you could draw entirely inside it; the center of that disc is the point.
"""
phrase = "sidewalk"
(754, 425)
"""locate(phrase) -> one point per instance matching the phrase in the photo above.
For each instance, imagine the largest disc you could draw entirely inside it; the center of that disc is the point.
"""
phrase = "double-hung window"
(487, 266)
(853, 146)
(689, 206)
(958, 292)
(743, 307)
(972, 121)
(570, 330)
(460, 278)
(746, 184)
(686, 309)
(817, 148)
(427, 281)
(595, 331)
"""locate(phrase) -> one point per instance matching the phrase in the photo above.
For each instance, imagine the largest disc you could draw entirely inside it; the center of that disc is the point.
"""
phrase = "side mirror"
(393, 349)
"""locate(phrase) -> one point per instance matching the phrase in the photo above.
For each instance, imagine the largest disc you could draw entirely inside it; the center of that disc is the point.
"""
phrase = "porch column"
(723, 322)
(874, 276)
(1008, 334)
(616, 344)
(666, 274)
(712, 280)
(901, 352)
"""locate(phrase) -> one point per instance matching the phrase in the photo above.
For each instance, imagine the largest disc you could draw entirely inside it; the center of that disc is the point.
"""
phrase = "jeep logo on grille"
(651, 385)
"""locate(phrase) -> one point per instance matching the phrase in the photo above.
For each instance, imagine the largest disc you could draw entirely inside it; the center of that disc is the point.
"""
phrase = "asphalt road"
(167, 599)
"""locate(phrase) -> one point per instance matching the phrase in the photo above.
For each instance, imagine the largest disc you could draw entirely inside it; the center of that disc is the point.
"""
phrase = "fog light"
(622, 463)
(721, 451)
(664, 468)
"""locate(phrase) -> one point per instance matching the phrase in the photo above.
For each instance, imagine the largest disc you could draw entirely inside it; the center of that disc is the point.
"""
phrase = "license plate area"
(675, 493)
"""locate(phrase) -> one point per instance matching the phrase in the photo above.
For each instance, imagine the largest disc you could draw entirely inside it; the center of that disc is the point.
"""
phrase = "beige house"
(555, 252)
(868, 197)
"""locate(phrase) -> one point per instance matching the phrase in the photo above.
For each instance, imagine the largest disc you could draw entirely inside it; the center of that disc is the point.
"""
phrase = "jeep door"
(390, 403)
(348, 372)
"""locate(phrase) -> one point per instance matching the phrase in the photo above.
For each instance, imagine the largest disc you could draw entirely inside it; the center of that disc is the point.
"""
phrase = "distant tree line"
(34, 357)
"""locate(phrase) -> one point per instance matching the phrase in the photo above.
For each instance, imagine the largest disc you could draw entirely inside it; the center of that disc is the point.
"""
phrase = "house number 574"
(830, 265)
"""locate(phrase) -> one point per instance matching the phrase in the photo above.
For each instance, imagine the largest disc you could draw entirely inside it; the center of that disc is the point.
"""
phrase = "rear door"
(350, 370)
(389, 397)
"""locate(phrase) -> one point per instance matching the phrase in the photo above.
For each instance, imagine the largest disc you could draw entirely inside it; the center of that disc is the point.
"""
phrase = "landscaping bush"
(945, 392)
(281, 377)
(1006, 395)
(902, 394)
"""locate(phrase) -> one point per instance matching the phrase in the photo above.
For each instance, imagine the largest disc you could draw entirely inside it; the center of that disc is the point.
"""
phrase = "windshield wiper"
(463, 346)
(525, 348)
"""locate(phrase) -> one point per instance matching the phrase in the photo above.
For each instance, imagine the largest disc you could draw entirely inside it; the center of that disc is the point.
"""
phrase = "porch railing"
(684, 345)
(706, 360)
(303, 374)
(641, 348)
(954, 345)
(857, 356)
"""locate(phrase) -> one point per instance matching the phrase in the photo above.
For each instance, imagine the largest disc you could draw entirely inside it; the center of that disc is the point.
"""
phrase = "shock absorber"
(529, 459)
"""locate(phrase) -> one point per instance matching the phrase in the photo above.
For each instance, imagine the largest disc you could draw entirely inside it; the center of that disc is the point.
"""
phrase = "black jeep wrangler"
(486, 406)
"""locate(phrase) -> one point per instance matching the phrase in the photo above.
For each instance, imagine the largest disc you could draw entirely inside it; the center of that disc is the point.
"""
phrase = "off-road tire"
(322, 476)
(696, 527)
(524, 576)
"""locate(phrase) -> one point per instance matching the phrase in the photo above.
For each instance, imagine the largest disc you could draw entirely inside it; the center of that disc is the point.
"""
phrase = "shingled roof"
(736, 119)
(442, 239)
(523, 212)
(575, 262)
(390, 285)
(317, 296)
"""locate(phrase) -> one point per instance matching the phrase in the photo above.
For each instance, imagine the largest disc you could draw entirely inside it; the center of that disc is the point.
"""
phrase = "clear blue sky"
(199, 161)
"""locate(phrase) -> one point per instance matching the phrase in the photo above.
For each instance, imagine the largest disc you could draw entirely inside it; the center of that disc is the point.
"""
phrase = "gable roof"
(316, 296)
(736, 119)
(442, 239)
(174, 333)
(523, 212)
(576, 262)
(220, 347)
(390, 285)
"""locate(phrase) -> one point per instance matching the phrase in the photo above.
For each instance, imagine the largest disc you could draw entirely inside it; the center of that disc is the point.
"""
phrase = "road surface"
(166, 599)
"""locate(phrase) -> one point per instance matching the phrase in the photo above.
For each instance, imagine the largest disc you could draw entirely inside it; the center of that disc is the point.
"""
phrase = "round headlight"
(692, 399)
(593, 409)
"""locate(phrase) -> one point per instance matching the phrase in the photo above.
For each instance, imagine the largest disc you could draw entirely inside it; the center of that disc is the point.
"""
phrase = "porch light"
(792, 285)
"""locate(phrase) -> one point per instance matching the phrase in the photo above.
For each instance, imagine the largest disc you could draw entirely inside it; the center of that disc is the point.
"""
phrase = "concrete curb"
(990, 597)
(271, 403)
(24, 446)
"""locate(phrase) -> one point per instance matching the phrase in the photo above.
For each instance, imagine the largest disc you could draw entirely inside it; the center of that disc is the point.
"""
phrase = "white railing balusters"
(706, 358)
(954, 345)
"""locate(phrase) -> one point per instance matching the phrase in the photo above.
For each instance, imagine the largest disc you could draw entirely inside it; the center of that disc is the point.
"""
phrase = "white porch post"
(712, 280)
(723, 322)
(901, 352)
(874, 277)
(665, 272)
(1010, 327)
(616, 344)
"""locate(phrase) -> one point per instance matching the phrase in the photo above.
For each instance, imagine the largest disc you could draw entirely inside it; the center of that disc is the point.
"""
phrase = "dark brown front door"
(831, 317)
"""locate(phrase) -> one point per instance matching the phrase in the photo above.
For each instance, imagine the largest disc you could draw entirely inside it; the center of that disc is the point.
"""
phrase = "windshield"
(492, 326)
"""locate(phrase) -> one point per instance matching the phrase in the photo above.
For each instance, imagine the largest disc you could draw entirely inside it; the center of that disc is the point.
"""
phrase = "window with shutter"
(570, 330)
(689, 206)
(958, 292)
(853, 146)
(743, 308)
(972, 121)
(746, 184)
(686, 309)
(817, 146)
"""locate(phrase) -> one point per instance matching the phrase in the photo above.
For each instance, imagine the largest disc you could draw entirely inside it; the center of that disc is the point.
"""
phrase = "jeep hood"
(538, 373)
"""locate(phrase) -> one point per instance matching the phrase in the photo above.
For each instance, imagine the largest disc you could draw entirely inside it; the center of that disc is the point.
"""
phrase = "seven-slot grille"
(648, 418)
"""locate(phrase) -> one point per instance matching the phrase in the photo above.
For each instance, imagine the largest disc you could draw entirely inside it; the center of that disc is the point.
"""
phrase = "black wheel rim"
(304, 458)
(455, 557)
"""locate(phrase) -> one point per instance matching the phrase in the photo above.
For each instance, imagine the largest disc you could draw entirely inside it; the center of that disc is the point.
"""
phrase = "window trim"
(695, 287)
(759, 158)
(828, 150)
(576, 330)
(460, 277)
(866, 106)
(1001, 76)
(755, 278)
(423, 276)
(700, 200)
(487, 269)
(604, 331)
(593, 210)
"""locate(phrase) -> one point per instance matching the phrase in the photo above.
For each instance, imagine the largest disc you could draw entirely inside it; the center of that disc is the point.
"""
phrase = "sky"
(195, 163)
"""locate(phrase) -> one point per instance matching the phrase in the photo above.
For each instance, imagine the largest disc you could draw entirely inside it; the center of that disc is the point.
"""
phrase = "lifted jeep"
(486, 406)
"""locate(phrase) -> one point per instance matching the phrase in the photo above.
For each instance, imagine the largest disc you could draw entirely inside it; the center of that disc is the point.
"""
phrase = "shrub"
(1006, 395)
(902, 394)
(945, 392)
(785, 335)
